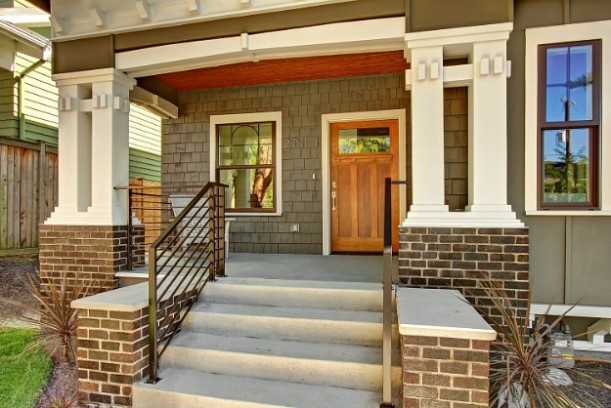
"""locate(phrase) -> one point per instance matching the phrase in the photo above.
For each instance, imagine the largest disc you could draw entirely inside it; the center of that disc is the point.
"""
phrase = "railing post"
(152, 317)
(212, 216)
(220, 214)
(387, 301)
(130, 249)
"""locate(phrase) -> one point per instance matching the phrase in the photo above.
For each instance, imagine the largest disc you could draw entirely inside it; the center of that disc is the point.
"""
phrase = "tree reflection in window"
(566, 165)
(246, 165)
(569, 124)
(364, 140)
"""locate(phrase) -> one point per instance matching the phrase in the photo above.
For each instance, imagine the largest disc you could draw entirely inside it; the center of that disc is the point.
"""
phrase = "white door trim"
(327, 120)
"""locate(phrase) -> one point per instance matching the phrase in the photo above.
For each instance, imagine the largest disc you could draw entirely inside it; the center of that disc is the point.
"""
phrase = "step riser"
(295, 297)
(331, 373)
(366, 334)
(153, 399)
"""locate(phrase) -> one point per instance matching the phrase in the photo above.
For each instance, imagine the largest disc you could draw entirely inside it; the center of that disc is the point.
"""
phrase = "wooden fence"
(147, 205)
(28, 193)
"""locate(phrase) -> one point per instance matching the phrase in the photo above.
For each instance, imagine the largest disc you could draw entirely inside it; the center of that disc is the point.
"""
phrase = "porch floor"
(339, 268)
(334, 268)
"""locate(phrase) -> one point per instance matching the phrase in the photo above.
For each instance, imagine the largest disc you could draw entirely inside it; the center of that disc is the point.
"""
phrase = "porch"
(283, 330)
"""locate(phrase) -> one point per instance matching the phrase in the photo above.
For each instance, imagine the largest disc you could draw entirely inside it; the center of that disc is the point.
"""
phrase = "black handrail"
(387, 285)
(185, 256)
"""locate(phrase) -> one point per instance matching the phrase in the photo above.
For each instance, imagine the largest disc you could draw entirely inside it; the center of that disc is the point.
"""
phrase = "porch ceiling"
(287, 70)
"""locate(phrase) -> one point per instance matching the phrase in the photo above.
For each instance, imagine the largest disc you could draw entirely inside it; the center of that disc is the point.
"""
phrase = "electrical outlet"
(294, 228)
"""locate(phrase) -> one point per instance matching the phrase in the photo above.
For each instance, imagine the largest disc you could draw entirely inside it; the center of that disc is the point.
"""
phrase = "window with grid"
(246, 164)
(569, 122)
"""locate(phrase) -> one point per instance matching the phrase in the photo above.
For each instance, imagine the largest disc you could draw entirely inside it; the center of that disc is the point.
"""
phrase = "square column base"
(91, 254)
(476, 216)
(458, 258)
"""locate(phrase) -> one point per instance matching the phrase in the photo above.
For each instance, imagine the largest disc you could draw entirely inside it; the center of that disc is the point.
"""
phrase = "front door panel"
(363, 154)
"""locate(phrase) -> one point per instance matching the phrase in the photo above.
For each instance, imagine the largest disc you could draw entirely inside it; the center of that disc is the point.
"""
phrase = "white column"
(93, 147)
(427, 130)
(110, 141)
(488, 128)
(486, 76)
(74, 150)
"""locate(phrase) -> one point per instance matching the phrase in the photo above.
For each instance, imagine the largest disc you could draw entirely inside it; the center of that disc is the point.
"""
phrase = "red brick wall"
(457, 258)
(113, 349)
(91, 254)
(445, 372)
(112, 354)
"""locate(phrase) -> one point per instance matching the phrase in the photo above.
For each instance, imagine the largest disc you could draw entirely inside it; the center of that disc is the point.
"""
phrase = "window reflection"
(364, 140)
(569, 83)
(566, 158)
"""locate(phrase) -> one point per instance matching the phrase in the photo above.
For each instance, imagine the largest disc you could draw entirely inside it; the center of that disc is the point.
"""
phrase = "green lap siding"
(144, 144)
(145, 165)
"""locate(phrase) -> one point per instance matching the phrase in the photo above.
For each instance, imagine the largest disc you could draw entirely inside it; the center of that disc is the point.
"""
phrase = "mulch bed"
(62, 385)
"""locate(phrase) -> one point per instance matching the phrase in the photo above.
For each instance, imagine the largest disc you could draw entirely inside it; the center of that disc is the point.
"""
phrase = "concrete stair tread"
(310, 294)
(298, 284)
(191, 389)
(280, 348)
(288, 312)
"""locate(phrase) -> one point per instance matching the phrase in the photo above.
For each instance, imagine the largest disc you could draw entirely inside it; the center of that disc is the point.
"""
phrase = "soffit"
(287, 70)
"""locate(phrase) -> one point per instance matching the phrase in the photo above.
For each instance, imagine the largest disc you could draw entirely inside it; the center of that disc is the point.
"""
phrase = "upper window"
(364, 140)
(246, 164)
(246, 159)
(569, 121)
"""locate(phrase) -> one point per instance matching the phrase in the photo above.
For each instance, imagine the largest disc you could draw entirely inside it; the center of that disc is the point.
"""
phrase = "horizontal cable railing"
(149, 212)
(184, 256)
(189, 253)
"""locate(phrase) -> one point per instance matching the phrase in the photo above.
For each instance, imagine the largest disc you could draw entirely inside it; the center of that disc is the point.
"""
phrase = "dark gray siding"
(570, 256)
(185, 148)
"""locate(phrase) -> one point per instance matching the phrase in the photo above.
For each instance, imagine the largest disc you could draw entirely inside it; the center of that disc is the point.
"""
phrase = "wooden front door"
(363, 154)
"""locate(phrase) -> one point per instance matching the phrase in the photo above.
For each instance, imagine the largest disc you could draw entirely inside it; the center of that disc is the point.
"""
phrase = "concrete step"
(296, 293)
(286, 323)
(337, 365)
(195, 389)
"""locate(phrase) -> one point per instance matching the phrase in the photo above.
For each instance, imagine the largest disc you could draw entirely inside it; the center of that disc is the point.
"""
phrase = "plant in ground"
(51, 313)
(519, 366)
(64, 399)
(24, 368)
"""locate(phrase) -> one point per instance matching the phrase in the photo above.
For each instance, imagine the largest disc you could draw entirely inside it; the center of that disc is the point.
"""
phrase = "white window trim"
(600, 30)
(244, 118)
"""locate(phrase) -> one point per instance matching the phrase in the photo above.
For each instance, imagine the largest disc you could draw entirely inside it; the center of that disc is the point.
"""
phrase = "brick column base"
(445, 372)
(113, 341)
(457, 258)
(91, 254)
(112, 354)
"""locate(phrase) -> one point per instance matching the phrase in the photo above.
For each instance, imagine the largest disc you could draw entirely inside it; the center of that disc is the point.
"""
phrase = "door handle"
(333, 200)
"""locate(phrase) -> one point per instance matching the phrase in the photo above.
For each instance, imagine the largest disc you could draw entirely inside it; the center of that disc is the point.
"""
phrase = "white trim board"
(374, 35)
(326, 121)
(600, 312)
(79, 19)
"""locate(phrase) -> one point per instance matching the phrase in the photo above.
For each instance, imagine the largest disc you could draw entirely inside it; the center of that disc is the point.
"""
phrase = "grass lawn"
(24, 368)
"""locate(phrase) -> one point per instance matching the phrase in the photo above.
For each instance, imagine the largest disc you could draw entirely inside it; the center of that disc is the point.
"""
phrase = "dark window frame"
(273, 166)
(592, 125)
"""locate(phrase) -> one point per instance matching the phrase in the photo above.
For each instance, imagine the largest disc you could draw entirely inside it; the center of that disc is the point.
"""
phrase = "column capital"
(457, 36)
(94, 76)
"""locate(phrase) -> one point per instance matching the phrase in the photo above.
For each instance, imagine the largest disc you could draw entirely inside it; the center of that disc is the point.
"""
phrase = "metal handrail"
(387, 287)
(185, 256)
(149, 213)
